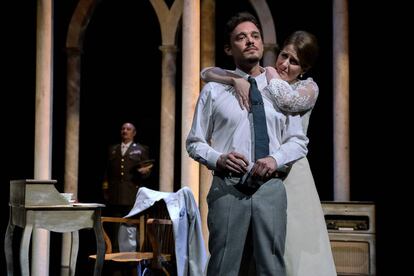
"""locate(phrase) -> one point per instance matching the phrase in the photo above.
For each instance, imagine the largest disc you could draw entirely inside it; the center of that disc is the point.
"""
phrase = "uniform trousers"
(244, 222)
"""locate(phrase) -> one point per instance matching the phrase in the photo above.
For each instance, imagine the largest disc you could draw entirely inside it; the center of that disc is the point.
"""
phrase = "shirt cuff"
(280, 160)
(212, 158)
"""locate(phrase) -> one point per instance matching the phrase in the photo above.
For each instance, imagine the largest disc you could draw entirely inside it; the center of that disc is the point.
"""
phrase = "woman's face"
(288, 65)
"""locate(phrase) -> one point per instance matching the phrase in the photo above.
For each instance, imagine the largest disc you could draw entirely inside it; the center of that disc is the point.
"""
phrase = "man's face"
(127, 132)
(246, 45)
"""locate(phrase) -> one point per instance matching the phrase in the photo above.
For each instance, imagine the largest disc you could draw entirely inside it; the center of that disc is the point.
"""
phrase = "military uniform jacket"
(122, 173)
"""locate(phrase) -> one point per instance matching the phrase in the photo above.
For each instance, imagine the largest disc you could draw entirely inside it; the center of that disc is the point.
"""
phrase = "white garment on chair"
(190, 251)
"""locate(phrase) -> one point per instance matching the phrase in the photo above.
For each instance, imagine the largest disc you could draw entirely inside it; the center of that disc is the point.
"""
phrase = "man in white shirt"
(247, 201)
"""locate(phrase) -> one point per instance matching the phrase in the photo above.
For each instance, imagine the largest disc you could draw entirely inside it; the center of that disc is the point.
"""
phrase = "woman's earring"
(301, 75)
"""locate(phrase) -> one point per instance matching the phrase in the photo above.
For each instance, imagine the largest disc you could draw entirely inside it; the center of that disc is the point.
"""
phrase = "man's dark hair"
(236, 20)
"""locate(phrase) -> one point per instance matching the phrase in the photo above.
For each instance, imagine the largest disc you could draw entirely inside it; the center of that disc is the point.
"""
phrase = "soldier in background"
(128, 164)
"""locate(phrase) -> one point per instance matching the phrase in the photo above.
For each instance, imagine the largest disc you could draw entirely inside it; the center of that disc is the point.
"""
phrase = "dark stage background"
(121, 52)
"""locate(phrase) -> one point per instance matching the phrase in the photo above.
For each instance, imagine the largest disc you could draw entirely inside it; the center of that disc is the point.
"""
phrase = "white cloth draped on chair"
(190, 251)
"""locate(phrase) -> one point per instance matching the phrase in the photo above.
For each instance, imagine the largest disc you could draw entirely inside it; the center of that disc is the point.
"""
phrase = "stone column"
(341, 100)
(190, 89)
(208, 56)
(43, 125)
(169, 19)
(72, 142)
(74, 43)
(167, 118)
(72, 121)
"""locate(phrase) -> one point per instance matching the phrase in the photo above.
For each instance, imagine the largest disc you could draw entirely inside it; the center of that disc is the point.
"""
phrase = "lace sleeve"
(296, 98)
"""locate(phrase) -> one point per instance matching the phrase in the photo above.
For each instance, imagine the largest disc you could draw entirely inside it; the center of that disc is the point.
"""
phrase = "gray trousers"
(244, 223)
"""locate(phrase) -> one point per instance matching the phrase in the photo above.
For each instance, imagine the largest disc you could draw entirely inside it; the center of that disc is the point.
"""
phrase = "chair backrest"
(159, 236)
(116, 220)
(156, 229)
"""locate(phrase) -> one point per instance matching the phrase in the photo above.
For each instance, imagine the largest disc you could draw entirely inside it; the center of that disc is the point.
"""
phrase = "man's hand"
(264, 167)
(233, 162)
(145, 171)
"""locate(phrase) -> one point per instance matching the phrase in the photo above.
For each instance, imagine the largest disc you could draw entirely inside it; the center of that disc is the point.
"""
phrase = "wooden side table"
(56, 219)
(29, 210)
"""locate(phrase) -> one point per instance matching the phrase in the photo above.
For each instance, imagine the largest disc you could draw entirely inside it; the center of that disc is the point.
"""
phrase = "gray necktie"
(261, 138)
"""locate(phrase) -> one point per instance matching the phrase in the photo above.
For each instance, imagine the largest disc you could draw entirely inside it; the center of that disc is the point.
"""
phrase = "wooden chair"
(156, 247)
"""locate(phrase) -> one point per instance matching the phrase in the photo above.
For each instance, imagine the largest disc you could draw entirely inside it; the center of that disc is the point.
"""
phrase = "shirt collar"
(245, 75)
(127, 144)
(259, 78)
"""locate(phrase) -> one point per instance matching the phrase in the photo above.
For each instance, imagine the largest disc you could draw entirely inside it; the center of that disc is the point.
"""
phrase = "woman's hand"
(242, 87)
(271, 73)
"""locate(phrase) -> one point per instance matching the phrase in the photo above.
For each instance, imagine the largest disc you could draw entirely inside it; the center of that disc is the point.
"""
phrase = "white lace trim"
(298, 97)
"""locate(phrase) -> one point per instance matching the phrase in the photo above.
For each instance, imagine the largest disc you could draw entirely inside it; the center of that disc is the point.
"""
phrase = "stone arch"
(169, 20)
(269, 31)
(74, 44)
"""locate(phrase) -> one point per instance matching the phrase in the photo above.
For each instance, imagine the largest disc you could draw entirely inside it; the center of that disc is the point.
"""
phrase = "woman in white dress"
(308, 251)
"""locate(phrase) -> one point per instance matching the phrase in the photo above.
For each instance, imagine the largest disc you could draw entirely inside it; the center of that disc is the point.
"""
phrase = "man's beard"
(252, 60)
(249, 61)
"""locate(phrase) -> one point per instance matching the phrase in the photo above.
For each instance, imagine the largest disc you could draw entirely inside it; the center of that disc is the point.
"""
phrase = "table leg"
(8, 245)
(74, 252)
(24, 247)
(100, 243)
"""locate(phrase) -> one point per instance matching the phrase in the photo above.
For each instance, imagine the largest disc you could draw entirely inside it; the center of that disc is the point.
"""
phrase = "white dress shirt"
(124, 147)
(221, 126)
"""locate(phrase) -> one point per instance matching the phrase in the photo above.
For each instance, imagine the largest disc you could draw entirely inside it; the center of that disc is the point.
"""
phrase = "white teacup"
(68, 196)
